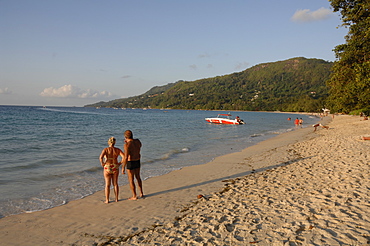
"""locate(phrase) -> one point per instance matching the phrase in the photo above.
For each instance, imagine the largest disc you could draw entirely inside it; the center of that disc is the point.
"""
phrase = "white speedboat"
(225, 119)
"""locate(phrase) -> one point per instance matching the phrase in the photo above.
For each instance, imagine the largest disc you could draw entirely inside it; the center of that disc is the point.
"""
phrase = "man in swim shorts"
(132, 163)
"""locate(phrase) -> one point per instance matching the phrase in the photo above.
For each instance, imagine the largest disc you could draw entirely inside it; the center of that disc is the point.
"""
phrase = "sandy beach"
(298, 188)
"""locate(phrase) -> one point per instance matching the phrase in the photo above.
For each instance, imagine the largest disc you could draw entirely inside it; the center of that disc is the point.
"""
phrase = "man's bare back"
(132, 149)
(132, 161)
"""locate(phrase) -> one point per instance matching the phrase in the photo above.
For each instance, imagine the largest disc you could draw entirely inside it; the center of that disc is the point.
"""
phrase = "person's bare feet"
(106, 202)
(132, 198)
(142, 196)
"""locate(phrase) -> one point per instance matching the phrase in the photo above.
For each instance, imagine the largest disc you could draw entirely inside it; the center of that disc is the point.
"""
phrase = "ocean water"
(49, 156)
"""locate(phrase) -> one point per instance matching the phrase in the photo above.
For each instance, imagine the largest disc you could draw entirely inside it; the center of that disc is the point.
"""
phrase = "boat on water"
(225, 119)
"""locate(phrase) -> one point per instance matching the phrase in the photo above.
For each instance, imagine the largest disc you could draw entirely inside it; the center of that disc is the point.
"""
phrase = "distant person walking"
(132, 163)
(108, 160)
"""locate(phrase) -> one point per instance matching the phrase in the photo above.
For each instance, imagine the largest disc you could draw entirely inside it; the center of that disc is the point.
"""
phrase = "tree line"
(349, 84)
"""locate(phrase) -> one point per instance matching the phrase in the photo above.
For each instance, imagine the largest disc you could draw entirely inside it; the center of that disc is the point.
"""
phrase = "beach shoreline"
(53, 171)
(91, 222)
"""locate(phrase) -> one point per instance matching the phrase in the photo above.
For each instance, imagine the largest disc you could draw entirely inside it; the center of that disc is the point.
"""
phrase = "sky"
(74, 53)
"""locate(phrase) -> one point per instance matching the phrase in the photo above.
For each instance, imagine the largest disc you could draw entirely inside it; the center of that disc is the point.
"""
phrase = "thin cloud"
(306, 15)
(213, 55)
(5, 91)
(194, 67)
(126, 77)
(70, 91)
(242, 65)
(204, 55)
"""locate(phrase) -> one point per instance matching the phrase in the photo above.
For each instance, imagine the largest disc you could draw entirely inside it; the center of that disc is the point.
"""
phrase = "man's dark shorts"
(133, 164)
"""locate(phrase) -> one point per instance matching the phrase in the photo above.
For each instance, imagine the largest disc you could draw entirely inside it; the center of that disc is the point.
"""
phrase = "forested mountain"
(297, 84)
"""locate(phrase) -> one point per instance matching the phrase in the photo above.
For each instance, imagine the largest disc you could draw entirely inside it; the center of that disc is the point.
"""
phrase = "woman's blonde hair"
(112, 140)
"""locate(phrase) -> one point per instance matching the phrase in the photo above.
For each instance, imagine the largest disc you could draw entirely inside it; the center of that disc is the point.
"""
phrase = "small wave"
(70, 111)
(150, 173)
(215, 138)
(30, 166)
(78, 173)
(167, 156)
(47, 176)
(39, 202)
(280, 131)
(92, 170)
(30, 205)
(174, 152)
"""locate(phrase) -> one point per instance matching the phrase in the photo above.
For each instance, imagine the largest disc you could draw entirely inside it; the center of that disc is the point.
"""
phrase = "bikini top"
(112, 158)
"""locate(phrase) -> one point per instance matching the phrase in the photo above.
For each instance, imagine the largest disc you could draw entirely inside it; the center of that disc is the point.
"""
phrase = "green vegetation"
(349, 84)
(297, 84)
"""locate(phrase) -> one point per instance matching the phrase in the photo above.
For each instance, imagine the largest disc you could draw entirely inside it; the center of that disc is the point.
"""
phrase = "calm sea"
(49, 156)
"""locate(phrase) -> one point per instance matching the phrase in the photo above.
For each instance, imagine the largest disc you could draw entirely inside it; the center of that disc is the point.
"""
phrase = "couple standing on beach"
(130, 160)
(298, 122)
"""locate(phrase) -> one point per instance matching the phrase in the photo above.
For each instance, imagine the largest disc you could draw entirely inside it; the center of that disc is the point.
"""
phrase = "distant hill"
(297, 84)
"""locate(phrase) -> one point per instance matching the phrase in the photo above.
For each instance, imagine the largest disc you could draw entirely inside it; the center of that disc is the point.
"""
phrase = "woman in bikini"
(108, 160)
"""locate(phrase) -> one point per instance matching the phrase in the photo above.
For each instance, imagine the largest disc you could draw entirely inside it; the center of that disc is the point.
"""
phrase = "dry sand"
(298, 188)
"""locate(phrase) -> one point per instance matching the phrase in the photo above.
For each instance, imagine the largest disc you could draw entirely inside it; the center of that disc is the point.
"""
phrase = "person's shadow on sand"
(238, 175)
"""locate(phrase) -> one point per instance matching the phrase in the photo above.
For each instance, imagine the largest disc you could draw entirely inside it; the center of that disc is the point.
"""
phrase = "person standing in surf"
(132, 149)
(108, 160)
(296, 123)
